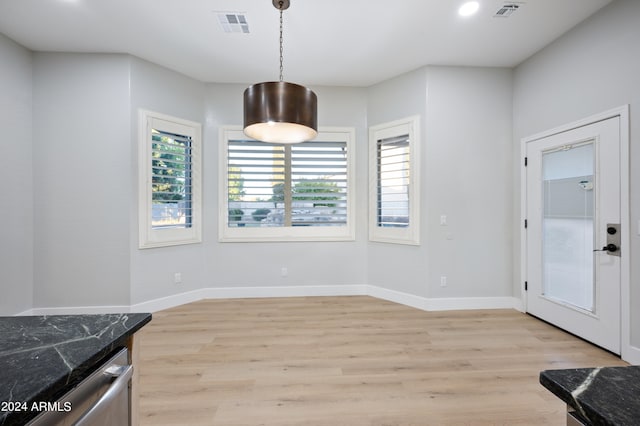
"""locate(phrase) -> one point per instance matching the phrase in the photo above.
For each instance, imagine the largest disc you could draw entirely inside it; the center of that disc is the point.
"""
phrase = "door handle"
(612, 248)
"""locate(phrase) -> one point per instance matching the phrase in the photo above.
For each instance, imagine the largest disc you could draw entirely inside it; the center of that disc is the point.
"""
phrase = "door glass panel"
(568, 225)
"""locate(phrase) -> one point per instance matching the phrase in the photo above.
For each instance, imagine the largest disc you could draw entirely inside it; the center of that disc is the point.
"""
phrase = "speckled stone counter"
(43, 357)
(600, 396)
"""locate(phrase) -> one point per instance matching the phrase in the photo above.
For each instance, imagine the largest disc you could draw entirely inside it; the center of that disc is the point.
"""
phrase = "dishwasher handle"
(124, 374)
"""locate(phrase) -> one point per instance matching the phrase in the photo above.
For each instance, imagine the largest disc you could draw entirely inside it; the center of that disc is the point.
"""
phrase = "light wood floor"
(350, 361)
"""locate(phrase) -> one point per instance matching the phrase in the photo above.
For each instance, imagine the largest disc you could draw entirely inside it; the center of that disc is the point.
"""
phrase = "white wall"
(465, 175)
(82, 179)
(591, 69)
(16, 201)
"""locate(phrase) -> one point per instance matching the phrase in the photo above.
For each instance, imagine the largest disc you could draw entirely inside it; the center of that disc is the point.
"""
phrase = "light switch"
(443, 220)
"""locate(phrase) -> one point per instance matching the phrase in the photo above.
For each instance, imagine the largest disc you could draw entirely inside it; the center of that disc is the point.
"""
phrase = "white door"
(573, 231)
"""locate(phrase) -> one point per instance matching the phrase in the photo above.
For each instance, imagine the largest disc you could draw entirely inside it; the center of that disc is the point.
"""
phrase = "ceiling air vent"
(233, 22)
(507, 10)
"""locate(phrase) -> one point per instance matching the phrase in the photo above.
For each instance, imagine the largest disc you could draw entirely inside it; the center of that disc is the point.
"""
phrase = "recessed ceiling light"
(469, 8)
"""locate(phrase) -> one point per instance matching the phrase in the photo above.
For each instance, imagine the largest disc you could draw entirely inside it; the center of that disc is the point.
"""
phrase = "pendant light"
(278, 111)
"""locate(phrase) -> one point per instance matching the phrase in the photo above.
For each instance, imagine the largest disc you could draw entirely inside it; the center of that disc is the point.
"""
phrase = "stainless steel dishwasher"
(101, 399)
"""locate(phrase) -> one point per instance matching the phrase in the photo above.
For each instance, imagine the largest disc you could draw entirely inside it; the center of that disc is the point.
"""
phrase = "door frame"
(626, 350)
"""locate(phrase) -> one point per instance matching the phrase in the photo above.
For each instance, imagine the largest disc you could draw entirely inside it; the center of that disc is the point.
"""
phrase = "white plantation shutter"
(255, 171)
(394, 184)
(287, 185)
(171, 180)
(393, 163)
(300, 188)
(319, 182)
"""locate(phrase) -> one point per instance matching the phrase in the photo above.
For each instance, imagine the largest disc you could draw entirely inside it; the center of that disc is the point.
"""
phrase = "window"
(279, 192)
(394, 183)
(169, 180)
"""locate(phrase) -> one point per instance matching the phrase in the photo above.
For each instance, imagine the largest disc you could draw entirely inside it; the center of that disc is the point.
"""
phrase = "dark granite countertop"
(43, 357)
(601, 396)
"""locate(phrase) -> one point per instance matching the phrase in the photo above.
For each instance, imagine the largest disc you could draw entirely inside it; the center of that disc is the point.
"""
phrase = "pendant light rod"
(281, 5)
(281, 48)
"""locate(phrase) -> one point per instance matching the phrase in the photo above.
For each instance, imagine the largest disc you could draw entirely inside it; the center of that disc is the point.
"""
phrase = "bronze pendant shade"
(278, 111)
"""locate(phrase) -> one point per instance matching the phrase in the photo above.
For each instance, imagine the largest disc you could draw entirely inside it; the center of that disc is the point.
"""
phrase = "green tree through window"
(171, 179)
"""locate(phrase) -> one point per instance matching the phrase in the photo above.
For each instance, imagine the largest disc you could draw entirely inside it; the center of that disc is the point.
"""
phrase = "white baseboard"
(406, 299)
(518, 305)
(631, 354)
(167, 302)
(287, 291)
(466, 303)
(442, 304)
(245, 293)
(418, 302)
(78, 310)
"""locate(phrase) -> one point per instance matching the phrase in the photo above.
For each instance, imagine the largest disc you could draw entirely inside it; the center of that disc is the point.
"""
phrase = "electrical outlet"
(284, 271)
(177, 278)
(443, 281)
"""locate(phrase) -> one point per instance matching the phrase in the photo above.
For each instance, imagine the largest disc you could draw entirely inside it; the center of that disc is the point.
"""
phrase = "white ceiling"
(326, 42)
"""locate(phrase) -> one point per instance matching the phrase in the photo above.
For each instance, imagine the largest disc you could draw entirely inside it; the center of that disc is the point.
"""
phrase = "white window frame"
(410, 234)
(286, 233)
(149, 237)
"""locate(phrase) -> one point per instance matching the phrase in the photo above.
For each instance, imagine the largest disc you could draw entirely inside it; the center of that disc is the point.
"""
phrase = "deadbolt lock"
(613, 239)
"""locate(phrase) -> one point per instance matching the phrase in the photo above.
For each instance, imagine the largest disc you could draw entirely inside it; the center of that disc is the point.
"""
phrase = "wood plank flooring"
(356, 361)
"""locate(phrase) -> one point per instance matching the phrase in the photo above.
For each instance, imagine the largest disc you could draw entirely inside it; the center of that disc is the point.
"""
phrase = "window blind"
(287, 185)
(393, 164)
(171, 183)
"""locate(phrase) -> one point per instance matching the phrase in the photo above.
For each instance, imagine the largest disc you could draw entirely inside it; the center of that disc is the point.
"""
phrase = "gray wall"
(85, 174)
(214, 264)
(161, 90)
(85, 190)
(82, 179)
(465, 175)
(84, 162)
(593, 68)
(397, 267)
(315, 263)
(16, 202)
(467, 178)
